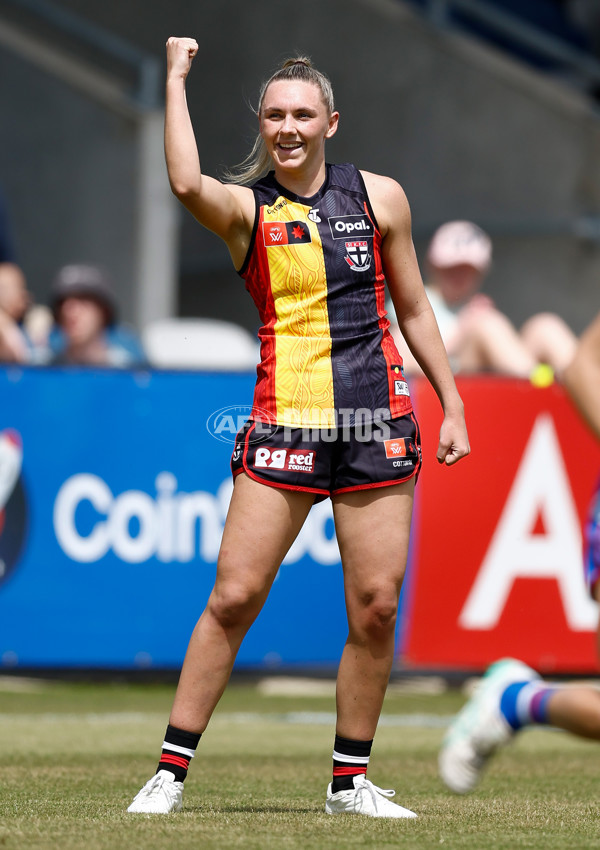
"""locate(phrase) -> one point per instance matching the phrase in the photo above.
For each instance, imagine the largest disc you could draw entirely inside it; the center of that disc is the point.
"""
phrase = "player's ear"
(333, 125)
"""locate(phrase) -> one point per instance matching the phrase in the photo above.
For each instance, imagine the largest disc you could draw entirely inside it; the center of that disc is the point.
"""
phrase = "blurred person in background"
(24, 326)
(85, 314)
(511, 696)
(477, 336)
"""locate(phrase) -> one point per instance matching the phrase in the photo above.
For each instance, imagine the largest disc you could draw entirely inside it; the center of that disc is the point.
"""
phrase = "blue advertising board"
(114, 488)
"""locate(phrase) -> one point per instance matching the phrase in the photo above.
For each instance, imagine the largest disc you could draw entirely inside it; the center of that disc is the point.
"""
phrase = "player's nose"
(289, 124)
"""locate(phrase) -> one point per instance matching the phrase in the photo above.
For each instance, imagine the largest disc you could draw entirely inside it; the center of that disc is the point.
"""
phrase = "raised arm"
(415, 316)
(227, 210)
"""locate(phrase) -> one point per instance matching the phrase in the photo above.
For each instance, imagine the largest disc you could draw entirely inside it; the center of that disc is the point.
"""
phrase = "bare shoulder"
(388, 199)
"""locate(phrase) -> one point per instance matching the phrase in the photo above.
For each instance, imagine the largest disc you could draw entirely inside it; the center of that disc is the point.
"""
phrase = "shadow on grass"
(254, 810)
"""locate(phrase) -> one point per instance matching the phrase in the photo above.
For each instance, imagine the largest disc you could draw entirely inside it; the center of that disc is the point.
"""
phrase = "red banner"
(496, 564)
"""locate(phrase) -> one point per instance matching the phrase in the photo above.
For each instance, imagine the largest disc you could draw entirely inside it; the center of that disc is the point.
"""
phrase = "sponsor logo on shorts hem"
(267, 457)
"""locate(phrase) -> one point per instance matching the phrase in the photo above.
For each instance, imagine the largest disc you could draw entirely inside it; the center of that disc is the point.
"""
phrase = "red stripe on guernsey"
(258, 284)
(167, 758)
(399, 405)
(349, 771)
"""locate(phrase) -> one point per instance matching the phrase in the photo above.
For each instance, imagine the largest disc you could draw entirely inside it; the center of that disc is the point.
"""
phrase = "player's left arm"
(413, 310)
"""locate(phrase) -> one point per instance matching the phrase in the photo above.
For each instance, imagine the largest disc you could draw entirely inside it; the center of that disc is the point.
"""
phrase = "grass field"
(72, 756)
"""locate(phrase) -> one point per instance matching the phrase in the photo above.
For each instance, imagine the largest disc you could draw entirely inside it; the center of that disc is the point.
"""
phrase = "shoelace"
(153, 787)
(373, 790)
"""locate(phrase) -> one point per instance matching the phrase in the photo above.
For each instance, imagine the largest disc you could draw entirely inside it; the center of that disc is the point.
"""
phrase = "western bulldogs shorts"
(591, 551)
(327, 462)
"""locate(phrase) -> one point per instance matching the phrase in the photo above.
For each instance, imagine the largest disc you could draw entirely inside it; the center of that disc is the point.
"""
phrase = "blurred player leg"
(482, 726)
(510, 697)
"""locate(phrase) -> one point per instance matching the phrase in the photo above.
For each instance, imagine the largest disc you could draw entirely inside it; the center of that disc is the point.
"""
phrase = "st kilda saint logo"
(358, 256)
(13, 506)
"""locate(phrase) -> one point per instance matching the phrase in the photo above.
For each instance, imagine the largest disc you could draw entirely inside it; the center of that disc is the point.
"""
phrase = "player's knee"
(235, 606)
(378, 614)
(382, 620)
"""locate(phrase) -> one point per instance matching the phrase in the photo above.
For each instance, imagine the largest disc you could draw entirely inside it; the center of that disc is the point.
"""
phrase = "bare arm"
(415, 316)
(226, 210)
(581, 378)
(12, 344)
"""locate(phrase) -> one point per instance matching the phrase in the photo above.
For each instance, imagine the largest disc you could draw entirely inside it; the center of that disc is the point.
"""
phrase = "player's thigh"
(262, 523)
(373, 531)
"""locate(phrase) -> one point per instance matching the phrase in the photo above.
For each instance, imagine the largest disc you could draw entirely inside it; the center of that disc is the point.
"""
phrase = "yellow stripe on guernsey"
(303, 369)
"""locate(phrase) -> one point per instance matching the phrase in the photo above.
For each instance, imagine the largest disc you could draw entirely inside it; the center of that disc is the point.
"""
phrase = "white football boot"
(365, 799)
(159, 796)
(480, 728)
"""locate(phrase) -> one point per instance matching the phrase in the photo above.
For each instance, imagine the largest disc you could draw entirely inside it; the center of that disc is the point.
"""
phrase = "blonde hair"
(258, 162)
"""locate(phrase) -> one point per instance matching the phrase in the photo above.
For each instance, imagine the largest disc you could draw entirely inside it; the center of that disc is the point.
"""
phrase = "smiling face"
(294, 123)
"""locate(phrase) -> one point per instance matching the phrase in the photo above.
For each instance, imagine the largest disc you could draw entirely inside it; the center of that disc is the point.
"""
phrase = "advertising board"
(497, 561)
(114, 488)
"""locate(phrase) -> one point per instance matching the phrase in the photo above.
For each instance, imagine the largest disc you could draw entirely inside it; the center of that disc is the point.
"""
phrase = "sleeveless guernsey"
(314, 272)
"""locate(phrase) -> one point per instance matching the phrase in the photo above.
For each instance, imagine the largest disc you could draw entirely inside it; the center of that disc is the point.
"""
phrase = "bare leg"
(486, 339)
(549, 340)
(261, 525)
(373, 529)
(576, 708)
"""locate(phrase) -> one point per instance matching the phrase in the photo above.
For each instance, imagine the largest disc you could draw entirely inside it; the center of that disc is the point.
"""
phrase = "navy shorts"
(326, 462)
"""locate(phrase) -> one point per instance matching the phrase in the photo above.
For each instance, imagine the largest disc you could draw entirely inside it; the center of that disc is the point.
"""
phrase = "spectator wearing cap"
(478, 337)
(85, 312)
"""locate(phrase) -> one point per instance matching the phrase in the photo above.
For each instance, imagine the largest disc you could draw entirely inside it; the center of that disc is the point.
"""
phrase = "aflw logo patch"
(400, 447)
(277, 233)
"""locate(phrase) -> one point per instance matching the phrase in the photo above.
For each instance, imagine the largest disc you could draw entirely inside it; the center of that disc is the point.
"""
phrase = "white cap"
(460, 242)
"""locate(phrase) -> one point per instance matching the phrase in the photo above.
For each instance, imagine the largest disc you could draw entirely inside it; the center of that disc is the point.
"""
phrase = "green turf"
(73, 755)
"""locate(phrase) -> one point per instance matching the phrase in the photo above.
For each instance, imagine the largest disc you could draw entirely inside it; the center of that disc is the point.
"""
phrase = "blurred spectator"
(24, 327)
(476, 334)
(85, 312)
